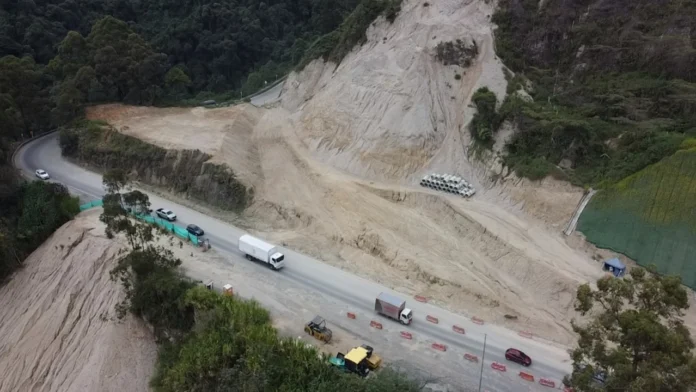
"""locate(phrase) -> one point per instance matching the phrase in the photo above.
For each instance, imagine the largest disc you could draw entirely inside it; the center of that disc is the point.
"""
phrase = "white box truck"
(394, 308)
(258, 250)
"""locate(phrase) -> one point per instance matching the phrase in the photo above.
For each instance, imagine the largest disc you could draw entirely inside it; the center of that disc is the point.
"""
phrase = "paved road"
(310, 286)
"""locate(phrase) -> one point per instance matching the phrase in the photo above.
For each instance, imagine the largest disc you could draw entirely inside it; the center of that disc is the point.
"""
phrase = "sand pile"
(58, 330)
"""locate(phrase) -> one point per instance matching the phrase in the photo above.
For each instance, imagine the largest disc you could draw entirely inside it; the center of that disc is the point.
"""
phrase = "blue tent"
(615, 266)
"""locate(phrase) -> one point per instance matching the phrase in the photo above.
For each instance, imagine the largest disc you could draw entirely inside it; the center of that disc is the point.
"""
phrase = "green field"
(650, 216)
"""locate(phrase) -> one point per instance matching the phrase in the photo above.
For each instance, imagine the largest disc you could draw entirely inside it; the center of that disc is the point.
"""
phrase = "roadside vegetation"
(636, 339)
(209, 341)
(184, 172)
(597, 114)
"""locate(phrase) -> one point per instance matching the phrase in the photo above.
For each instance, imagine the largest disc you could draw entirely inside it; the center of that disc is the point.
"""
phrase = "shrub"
(486, 121)
(181, 171)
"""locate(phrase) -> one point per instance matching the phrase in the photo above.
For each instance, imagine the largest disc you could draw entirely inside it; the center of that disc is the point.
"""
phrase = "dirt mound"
(58, 330)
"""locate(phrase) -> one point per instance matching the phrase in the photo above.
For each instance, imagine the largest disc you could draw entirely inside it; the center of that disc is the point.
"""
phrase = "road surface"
(306, 287)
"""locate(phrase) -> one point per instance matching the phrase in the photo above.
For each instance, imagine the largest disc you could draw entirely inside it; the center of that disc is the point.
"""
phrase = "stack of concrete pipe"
(448, 183)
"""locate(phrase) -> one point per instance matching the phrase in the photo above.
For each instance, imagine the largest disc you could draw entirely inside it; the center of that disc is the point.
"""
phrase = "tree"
(118, 207)
(636, 336)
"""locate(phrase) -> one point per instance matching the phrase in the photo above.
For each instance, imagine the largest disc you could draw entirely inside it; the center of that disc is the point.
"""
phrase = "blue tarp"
(615, 266)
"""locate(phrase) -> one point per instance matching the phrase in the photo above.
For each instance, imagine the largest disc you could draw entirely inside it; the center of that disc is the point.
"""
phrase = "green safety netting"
(166, 225)
(94, 203)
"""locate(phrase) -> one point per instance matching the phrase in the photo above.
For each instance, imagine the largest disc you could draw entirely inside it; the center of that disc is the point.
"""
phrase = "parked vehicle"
(515, 355)
(258, 250)
(42, 174)
(394, 308)
(195, 230)
(166, 214)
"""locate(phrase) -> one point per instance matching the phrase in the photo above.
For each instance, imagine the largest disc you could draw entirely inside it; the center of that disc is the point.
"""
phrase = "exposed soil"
(58, 328)
(335, 168)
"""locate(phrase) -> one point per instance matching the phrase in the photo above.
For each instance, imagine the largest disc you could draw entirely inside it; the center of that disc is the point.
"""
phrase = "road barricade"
(351, 315)
(499, 367)
(420, 298)
(547, 383)
(526, 376)
(526, 334)
(432, 319)
(406, 335)
(477, 320)
(458, 329)
(439, 347)
(375, 324)
(471, 357)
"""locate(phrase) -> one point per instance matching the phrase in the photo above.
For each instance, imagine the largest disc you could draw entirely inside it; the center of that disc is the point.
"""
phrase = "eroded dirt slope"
(58, 329)
(334, 169)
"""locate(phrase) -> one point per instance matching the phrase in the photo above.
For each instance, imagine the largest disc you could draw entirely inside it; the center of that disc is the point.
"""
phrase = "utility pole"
(483, 359)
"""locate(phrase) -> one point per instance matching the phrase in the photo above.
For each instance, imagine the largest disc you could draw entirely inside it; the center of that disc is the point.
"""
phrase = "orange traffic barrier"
(351, 315)
(526, 334)
(499, 366)
(406, 335)
(420, 298)
(432, 319)
(470, 357)
(440, 347)
(477, 320)
(526, 376)
(458, 329)
(547, 383)
(375, 324)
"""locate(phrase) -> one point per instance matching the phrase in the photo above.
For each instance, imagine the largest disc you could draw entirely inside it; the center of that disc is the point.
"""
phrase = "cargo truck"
(258, 250)
(394, 308)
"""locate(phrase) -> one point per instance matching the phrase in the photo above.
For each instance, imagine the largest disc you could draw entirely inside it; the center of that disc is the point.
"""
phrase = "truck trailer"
(394, 308)
(257, 250)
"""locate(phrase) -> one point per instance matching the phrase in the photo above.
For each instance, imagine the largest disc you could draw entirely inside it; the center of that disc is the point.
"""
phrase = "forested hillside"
(216, 43)
(612, 83)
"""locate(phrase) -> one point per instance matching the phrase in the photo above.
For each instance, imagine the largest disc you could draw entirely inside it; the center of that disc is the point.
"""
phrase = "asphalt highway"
(335, 292)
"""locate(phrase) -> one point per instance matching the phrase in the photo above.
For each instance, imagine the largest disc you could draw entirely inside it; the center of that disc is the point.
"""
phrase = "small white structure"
(448, 183)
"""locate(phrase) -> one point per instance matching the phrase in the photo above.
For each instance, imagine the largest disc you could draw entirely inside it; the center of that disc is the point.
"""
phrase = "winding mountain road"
(306, 287)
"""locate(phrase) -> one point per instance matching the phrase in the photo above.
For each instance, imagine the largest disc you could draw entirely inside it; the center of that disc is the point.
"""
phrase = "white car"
(42, 174)
(166, 214)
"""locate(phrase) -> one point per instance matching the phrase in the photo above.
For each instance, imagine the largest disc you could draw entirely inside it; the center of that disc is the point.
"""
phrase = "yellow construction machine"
(359, 360)
(317, 328)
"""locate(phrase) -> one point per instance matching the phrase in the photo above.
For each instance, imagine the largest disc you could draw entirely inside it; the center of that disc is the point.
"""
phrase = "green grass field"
(651, 215)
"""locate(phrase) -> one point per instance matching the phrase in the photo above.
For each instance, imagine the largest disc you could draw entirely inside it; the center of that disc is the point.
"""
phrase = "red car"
(515, 355)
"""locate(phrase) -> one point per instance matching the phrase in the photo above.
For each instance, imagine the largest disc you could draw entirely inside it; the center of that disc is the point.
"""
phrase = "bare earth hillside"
(58, 330)
(335, 168)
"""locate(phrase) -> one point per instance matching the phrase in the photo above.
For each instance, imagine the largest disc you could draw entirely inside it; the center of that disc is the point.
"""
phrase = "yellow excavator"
(317, 328)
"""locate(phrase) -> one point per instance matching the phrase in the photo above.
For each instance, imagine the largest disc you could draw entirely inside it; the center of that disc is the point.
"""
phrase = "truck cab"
(277, 260)
(406, 316)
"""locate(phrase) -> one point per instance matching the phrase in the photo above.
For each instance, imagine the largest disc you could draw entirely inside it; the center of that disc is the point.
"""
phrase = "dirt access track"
(335, 167)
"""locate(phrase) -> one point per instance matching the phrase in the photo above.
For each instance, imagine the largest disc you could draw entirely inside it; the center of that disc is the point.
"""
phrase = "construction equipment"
(359, 360)
(317, 328)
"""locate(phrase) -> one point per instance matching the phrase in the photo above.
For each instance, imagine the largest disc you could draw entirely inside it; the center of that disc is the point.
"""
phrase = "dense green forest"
(612, 84)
